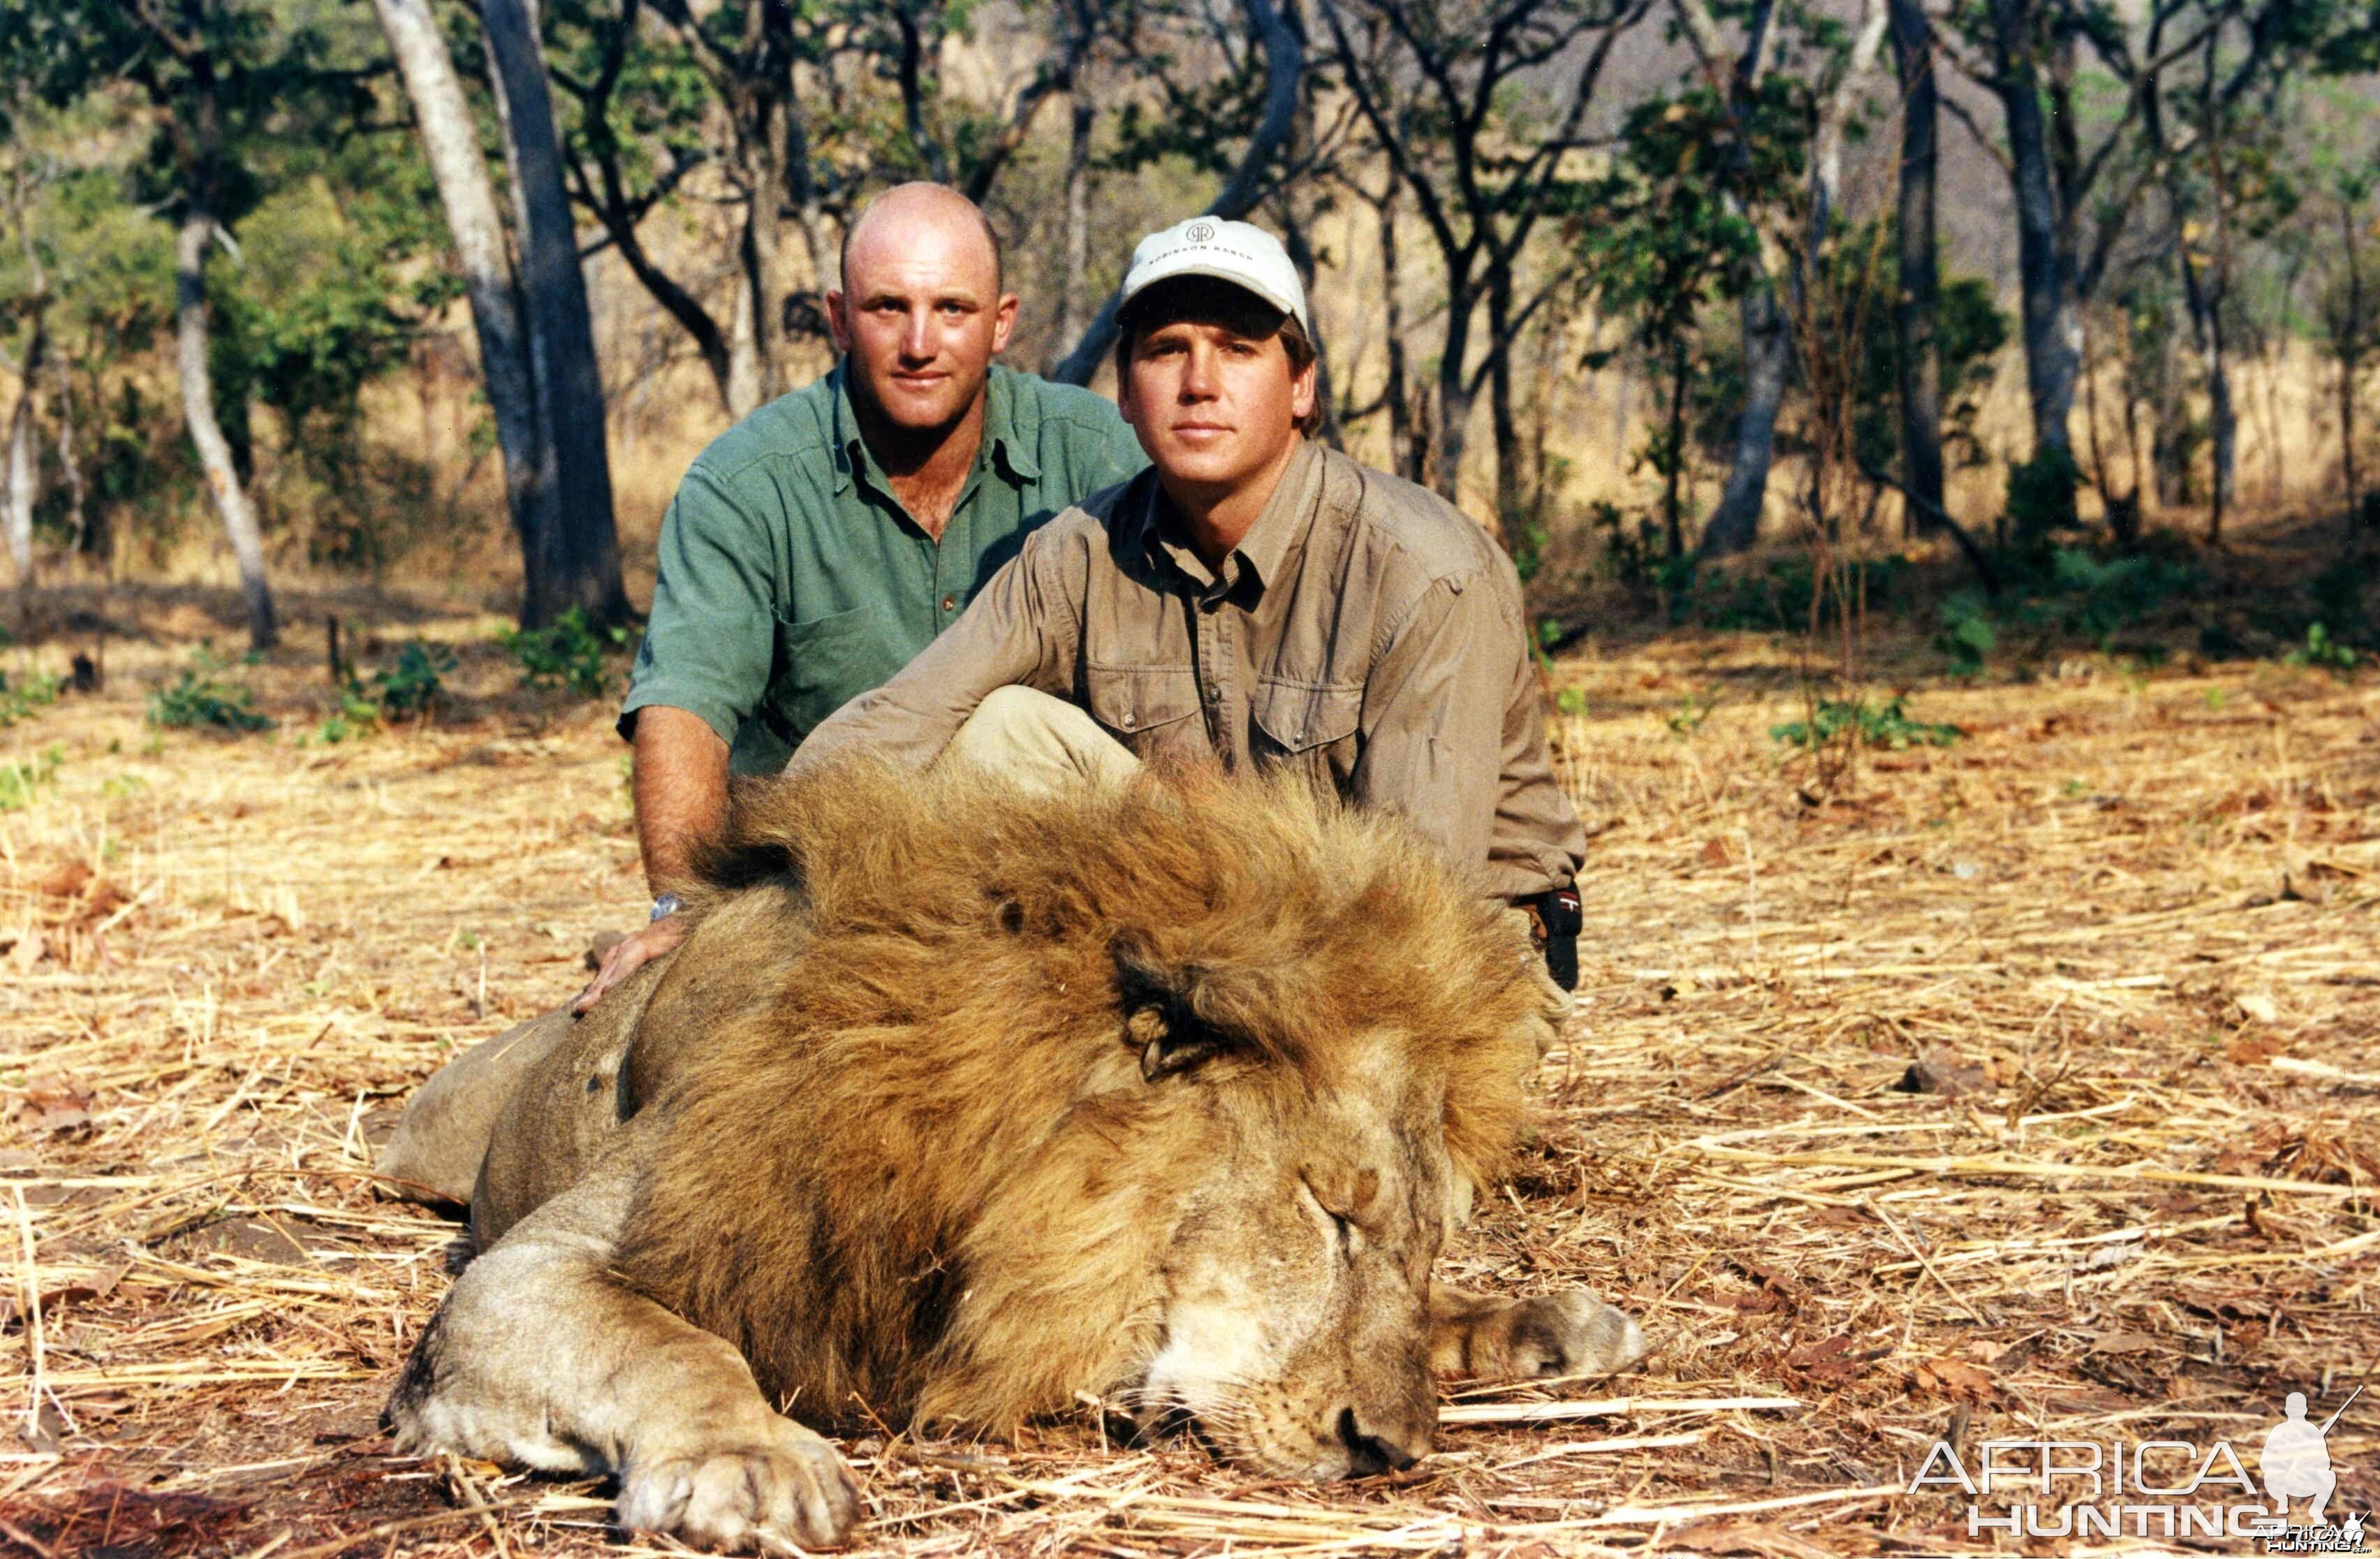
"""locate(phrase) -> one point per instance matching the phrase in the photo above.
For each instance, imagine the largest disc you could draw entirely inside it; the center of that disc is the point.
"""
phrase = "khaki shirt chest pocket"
(1311, 725)
(1143, 705)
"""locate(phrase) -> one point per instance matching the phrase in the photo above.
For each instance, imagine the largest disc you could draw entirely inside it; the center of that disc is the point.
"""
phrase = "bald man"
(821, 543)
(811, 552)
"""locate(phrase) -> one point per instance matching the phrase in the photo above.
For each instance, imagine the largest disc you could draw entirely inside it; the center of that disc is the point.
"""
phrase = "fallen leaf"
(65, 880)
(1957, 1382)
(1940, 1071)
(2253, 1050)
(2124, 1342)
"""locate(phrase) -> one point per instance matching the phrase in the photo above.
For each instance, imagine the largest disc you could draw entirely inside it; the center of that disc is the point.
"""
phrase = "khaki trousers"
(1039, 742)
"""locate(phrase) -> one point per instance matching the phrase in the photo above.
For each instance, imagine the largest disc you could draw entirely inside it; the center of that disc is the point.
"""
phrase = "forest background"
(452, 293)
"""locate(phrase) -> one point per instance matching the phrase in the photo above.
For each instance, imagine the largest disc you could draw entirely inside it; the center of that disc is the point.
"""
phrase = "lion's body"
(958, 1104)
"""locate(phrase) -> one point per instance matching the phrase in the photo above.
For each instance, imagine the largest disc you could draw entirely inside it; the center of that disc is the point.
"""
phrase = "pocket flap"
(1300, 715)
(1136, 698)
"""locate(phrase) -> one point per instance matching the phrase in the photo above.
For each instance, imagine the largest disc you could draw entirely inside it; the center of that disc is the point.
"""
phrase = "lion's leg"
(1571, 1333)
(541, 1358)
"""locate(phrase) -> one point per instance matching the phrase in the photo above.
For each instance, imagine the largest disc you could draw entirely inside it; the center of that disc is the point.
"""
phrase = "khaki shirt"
(1364, 632)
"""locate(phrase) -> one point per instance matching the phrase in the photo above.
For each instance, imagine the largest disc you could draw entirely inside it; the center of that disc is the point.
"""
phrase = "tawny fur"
(923, 1169)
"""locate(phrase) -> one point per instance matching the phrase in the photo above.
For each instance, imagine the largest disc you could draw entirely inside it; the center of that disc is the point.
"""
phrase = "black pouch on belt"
(1559, 918)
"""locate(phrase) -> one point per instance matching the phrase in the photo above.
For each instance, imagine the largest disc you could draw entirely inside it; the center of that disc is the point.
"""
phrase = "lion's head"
(1164, 1095)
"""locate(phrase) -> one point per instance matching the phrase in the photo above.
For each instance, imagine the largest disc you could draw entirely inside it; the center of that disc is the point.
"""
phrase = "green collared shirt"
(791, 581)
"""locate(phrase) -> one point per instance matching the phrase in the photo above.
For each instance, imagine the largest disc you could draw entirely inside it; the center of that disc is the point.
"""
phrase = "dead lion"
(959, 1103)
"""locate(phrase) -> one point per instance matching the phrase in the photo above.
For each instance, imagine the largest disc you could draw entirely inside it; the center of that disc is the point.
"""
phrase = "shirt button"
(949, 602)
(1130, 720)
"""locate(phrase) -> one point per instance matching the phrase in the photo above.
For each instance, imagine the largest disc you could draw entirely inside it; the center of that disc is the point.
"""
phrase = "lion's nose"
(1376, 1448)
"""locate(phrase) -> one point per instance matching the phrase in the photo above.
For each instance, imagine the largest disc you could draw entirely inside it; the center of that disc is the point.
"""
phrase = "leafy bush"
(18, 781)
(2100, 597)
(413, 683)
(1858, 720)
(197, 699)
(1966, 634)
(2321, 650)
(565, 653)
(20, 698)
(2040, 496)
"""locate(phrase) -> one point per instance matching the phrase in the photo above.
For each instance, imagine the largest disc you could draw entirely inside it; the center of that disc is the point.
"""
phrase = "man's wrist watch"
(667, 904)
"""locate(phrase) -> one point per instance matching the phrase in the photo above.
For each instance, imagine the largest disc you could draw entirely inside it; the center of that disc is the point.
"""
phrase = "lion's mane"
(921, 1168)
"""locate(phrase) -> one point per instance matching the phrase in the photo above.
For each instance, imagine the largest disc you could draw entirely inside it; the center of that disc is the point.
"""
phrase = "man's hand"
(630, 954)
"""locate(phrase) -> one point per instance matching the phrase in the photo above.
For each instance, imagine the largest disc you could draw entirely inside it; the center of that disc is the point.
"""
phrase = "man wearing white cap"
(1253, 598)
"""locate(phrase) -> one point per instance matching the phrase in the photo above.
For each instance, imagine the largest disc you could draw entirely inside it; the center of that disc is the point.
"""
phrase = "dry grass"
(2125, 929)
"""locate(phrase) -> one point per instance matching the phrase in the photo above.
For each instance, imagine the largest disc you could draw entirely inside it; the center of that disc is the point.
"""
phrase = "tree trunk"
(2052, 356)
(1512, 521)
(451, 141)
(1767, 361)
(1917, 301)
(2349, 344)
(20, 466)
(1673, 472)
(1404, 452)
(1073, 307)
(199, 415)
(576, 560)
(1454, 392)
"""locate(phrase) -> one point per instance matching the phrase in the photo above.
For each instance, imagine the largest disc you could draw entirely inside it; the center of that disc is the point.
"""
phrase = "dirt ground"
(2020, 1090)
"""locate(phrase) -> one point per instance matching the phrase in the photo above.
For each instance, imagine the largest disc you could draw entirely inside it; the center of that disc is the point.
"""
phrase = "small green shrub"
(1966, 635)
(2321, 650)
(19, 699)
(413, 683)
(1857, 721)
(567, 652)
(196, 699)
(18, 781)
(1692, 710)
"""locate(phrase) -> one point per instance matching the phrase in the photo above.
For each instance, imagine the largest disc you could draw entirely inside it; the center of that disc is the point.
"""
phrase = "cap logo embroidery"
(1198, 233)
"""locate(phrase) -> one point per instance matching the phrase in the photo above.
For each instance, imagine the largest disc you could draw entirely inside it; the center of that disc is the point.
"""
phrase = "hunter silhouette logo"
(2296, 1463)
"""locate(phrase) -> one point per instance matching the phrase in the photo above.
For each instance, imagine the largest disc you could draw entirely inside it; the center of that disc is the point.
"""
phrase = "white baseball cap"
(1238, 252)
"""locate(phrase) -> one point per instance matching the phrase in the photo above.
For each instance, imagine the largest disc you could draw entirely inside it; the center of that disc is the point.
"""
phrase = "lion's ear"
(1164, 1050)
(1158, 1021)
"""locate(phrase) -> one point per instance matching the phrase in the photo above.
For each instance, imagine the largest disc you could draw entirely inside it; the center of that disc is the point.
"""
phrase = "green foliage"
(2041, 497)
(20, 697)
(413, 683)
(197, 701)
(2099, 597)
(565, 653)
(2068, 592)
(1865, 724)
(1966, 634)
(1692, 710)
(2321, 650)
(20, 781)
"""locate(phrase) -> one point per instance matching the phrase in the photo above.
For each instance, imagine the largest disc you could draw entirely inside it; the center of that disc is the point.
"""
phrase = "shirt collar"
(1272, 543)
(1003, 431)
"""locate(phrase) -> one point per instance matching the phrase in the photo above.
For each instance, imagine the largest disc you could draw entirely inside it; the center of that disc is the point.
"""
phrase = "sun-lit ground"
(2021, 1089)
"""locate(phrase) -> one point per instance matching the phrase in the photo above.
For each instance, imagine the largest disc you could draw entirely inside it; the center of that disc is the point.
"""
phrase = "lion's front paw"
(1571, 1333)
(770, 1492)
